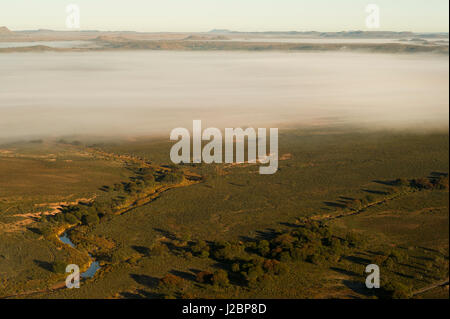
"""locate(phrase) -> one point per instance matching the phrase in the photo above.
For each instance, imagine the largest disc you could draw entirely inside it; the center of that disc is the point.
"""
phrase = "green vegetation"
(344, 200)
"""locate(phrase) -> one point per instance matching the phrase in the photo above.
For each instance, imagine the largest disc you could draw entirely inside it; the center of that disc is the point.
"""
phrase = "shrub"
(158, 249)
(172, 177)
(355, 240)
(46, 230)
(272, 266)
(396, 290)
(90, 219)
(58, 267)
(204, 277)
(220, 278)
(263, 247)
(442, 182)
(285, 256)
(422, 183)
(226, 251)
(71, 219)
(355, 204)
(171, 281)
(200, 249)
(316, 259)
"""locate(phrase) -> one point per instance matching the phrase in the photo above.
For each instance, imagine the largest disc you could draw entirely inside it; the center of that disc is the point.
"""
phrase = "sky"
(239, 15)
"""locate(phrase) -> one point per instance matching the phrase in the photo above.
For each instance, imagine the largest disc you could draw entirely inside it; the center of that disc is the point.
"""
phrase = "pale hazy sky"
(242, 15)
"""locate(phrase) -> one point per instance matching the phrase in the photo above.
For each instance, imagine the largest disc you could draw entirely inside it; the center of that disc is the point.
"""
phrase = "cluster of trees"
(313, 242)
(200, 249)
(172, 177)
(257, 270)
(390, 258)
(394, 290)
(438, 182)
(259, 260)
(83, 213)
(144, 178)
(218, 278)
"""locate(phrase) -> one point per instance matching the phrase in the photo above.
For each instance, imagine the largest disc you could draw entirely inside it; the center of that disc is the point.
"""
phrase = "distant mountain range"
(342, 34)
(4, 31)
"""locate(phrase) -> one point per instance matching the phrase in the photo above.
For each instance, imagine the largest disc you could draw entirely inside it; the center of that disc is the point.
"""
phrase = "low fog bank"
(145, 93)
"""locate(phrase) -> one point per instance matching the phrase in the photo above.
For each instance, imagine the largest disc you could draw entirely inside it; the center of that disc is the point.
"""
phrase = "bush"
(220, 278)
(442, 182)
(46, 230)
(204, 277)
(171, 281)
(422, 183)
(58, 267)
(285, 257)
(71, 219)
(316, 259)
(396, 290)
(90, 219)
(172, 177)
(158, 250)
(200, 249)
(226, 251)
(355, 240)
(263, 247)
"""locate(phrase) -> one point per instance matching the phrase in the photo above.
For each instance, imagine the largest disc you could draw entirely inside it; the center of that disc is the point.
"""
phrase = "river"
(94, 266)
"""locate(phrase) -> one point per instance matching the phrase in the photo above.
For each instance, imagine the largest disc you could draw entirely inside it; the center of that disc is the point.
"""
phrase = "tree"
(90, 219)
(263, 247)
(172, 177)
(171, 281)
(422, 183)
(204, 277)
(71, 219)
(396, 290)
(200, 249)
(220, 278)
(58, 267)
(442, 182)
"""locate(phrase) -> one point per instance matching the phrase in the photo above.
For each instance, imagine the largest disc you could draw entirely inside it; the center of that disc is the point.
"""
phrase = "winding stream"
(94, 266)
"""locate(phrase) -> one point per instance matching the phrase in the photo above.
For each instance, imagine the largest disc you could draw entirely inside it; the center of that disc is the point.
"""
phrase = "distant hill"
(358, 34)
(5, 31)
(205, 38)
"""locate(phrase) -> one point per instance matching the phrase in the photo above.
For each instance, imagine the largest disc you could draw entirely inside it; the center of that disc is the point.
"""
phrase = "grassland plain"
(153, 250)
